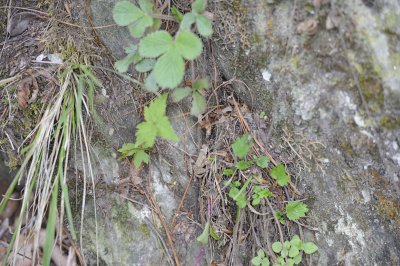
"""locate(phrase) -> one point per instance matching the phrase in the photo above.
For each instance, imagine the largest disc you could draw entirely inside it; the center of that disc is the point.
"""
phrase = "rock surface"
(330, 74)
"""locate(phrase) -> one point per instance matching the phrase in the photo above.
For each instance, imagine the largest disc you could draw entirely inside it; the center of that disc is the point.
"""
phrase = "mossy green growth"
(389, 122)
(143, 228)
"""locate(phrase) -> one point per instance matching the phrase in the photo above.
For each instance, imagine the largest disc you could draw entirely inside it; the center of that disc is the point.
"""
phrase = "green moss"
(143, 228)
(389, 122)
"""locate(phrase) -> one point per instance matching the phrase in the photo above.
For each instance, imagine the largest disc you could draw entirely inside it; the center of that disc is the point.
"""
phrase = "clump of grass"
(43, 169)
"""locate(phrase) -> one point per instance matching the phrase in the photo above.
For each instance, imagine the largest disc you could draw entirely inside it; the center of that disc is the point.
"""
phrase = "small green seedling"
(279, 174)
(280, 217)
(296, 210)
(207, 231)
(237, 194)
(242, 146)
(260, 259)
(259, 194)
(290, 251)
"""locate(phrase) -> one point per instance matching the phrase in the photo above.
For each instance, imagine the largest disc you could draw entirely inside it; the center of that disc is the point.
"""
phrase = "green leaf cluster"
(138, 19)
(259, 194)
(260, 259)
(290, 251)
(198, 17)
(199, 103)
(156, 124)
(242, 146)
(296, 210)
(238, 194)
(279, 174)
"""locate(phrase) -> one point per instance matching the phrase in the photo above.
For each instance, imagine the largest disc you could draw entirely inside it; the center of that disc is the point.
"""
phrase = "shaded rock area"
(327, 73)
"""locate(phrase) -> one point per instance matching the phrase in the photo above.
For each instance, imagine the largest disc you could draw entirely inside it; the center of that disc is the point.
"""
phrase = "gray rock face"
(336, 84)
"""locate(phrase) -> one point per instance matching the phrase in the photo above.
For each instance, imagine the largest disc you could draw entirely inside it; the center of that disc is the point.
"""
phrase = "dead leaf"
(23, 93)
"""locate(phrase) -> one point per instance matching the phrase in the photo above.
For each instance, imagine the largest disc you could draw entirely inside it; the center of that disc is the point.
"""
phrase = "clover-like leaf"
(297, 259)
(199, 104)
(293, 251)
(138, 28)
(201, 84)
(199, 6)
(155, 44)
(125, 13)
(309, 247)
(296, 242)
(123, 65)
(277, 247)
(146, 6)
(242, 146)
(296, 210)
(189, 45)
(150, 83)
(145, 65)
(169, 69)
(204, 26)
(187, 21)
(279, 174)
(179, 93)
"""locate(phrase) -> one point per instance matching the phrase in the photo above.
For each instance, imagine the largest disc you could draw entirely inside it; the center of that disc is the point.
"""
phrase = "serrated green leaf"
(213, 234)
(145, 65)
(297, 259)
(243, 165)
(203, 238)
(309, 247)
(199, 104)
(138, 28)
(277, 247)
(201, 84)
(146, 6)
(290, 262)
(199, 6)
(150, 83)
(242, 146)
(125, 13)
(279, 174)
(165, 130)
(128, 149)
(169, 69)
(179, 93)
(293, 251)
(156, 109)
(265, 193)
(123, 65)
(146, 134)
(139, 158)
(155, 44)
(256, 201)
(204, 26)
(234, 192)
(296, 210)
(262, 161)
(187, 21)
(188, 45)
(229, 172)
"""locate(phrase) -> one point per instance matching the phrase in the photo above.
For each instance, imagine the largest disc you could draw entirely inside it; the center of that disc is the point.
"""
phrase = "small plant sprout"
(242, 146)
(290, 251)
(259, 194)
(296, 210)
(237, 194)
(279, 174)
(260, 259)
